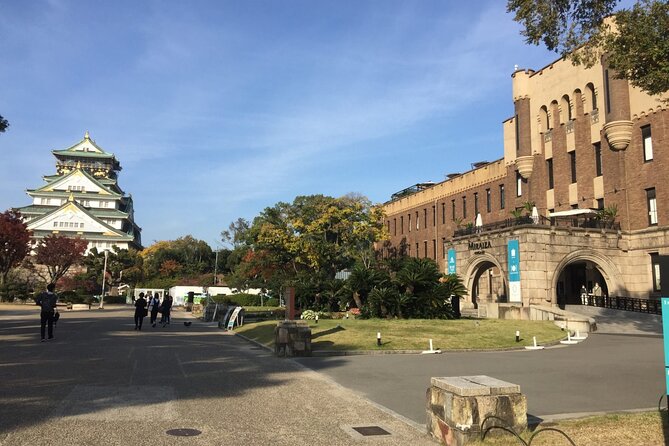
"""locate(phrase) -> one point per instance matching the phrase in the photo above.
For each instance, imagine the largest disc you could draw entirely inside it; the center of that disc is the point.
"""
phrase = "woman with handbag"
(140, 311)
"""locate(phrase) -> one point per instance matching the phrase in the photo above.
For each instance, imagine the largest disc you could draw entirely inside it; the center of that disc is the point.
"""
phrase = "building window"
(572, 165)
(476, 203)
(464, 207)
(598, 158)
(417, 251)
(434, 249)
(388, 224)
(519, 185)
(607, 93)
(647, 143)
(425, 218)
(425, 248)
(417, 221)
(55, 224)
(600, 204)
(502, 198)
(453, 209)
(443, 213)
(402, 224)
(394, 226)
(517, 135)
(409, 222)
(549, 168)
(488, 198)
(655, 265)
(434, 216)
(652, 206)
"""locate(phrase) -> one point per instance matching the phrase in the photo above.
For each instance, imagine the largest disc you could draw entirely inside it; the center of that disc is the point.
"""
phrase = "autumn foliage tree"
(58, 253)
(14, 242)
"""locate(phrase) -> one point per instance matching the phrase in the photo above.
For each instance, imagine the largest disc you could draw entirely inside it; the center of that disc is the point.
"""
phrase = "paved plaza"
(101, 382)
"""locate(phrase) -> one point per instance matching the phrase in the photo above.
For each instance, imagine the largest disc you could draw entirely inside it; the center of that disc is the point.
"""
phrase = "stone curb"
(325, 353)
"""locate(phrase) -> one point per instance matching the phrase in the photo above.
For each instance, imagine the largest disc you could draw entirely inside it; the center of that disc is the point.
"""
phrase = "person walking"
(140, 311)
(167, 308)
(154, 306)
(47, 301)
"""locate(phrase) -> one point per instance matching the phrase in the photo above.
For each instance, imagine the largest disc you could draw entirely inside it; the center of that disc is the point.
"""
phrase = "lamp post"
(215, 267)
(104, 276)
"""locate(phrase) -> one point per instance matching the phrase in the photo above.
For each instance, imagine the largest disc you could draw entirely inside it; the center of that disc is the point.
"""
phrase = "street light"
(216, 267)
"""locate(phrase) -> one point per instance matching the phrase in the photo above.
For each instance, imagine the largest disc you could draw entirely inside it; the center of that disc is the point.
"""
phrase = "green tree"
(3, 124)
(14, 242)
(317, 234)
(636, 45)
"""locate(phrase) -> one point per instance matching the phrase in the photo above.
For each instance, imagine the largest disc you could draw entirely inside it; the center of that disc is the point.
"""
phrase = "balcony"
(584, 222)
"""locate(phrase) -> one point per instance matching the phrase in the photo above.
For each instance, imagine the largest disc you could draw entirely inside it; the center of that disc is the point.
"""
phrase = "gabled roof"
(85, 148)
(72, 211)
(78, 174)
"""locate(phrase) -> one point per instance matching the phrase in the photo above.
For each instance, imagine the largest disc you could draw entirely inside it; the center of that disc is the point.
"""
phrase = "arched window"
(543, 118)
(590, 98)
(576, 110)
(565, 110)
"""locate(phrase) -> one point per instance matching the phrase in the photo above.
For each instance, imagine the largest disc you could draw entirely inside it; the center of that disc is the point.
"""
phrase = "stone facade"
(579, 140)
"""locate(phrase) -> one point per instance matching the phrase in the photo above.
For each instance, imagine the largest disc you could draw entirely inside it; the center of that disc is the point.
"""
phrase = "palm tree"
(417, 275)
(360, 283)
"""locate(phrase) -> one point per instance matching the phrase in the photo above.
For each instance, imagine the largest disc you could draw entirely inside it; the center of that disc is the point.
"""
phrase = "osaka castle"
(83, 199)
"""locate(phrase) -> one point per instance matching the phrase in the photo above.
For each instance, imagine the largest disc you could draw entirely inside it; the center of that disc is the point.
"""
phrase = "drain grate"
(183, 432)
(368, 431)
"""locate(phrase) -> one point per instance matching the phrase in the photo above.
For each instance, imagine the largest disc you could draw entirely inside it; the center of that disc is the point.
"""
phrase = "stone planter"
(292, 338)
(619, 134)
(457, 406)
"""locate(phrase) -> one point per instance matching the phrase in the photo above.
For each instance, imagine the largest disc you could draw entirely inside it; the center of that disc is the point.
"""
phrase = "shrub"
(309, 315)
(115, 299)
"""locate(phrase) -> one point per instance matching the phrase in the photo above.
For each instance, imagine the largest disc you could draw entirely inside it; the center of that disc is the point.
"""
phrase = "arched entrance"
(584, 269)
(486, 282)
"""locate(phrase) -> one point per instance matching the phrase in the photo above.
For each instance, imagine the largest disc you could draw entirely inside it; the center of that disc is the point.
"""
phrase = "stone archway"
(485, 281)
(583, 268)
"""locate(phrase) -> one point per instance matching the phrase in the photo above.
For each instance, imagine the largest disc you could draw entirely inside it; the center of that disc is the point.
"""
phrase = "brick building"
(577, 200)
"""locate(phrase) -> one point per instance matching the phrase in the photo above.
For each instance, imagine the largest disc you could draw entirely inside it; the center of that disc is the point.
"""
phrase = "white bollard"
(535, 346)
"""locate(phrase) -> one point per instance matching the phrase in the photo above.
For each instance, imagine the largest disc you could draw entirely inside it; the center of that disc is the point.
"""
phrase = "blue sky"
(218, 109)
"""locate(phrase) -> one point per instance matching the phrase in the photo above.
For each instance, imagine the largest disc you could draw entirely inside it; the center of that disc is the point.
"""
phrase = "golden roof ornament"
(87, 136)
(71, 198)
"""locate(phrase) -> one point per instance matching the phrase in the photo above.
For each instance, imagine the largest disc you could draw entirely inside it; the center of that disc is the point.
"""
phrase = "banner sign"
(665, 332)
(513, 256)
(451, 261)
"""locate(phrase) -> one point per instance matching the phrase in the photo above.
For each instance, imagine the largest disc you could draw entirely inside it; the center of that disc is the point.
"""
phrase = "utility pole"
(104, 276)
(215, 267)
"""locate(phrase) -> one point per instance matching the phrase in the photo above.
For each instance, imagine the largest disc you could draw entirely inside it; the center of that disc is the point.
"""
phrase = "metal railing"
(559, 222)
(652, 306)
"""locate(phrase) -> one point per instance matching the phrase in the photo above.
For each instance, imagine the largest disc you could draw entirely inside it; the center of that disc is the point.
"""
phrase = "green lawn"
(414, 334)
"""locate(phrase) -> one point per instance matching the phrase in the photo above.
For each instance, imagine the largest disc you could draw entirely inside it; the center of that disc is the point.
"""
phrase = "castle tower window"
(464, 207)
(502, 198)
(652, 206)
(647, 143)
(598, 158)
(549, 168)
(488, 200)
(572, 166)
(519, 185)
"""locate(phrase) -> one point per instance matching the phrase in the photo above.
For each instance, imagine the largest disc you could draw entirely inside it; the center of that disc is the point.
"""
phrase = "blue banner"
(513, 256)
(665, 332)
(451, 261)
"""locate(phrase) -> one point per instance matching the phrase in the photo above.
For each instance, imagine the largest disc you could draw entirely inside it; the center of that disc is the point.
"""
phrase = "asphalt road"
(101, 382)
(619, 368)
